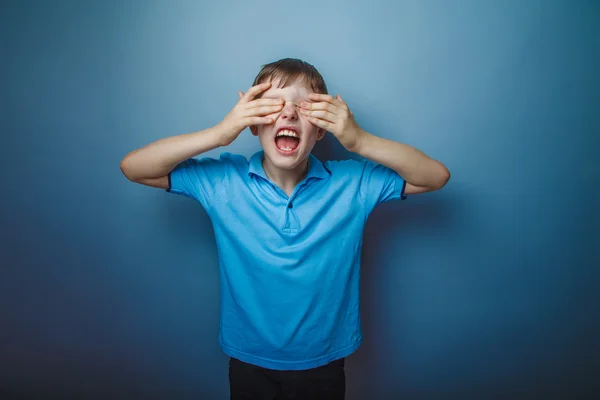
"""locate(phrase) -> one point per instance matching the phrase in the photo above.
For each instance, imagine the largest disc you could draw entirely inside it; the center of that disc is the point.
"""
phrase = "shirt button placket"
(292, 223)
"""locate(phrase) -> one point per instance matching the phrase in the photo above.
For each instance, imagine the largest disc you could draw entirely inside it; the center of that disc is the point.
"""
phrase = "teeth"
(285, 132)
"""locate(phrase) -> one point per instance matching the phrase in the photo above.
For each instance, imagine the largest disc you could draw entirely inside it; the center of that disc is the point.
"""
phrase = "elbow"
(127, 168)
(442, 177)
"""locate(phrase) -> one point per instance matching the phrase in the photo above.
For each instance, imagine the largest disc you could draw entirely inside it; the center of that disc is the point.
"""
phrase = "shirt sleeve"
(200, 179)
(379, 184)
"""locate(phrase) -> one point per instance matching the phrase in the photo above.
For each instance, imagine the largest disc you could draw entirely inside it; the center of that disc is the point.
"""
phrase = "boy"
(288, 227)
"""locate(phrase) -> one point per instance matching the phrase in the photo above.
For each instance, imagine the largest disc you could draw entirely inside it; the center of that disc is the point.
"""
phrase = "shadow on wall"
(182, 216)
(389, 239)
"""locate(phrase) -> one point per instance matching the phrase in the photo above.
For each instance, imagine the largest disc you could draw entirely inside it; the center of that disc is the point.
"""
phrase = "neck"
(286, 179)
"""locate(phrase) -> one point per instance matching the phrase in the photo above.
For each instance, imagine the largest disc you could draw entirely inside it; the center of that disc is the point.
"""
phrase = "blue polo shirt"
(289, 266)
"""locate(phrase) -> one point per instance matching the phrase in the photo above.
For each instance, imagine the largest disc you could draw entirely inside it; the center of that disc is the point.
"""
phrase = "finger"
(263, 110)
(265, 102)
(345, 106)
(320, 123)
(254, 90)
(259, 121)
(319, 106)
(320, 114)
(241, 94)
(326, 98)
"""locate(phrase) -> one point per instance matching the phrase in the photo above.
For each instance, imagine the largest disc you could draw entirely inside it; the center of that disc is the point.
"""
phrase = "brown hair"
(288, 70)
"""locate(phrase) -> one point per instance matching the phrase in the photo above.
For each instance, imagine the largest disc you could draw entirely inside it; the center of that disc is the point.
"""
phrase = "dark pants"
(251, 382)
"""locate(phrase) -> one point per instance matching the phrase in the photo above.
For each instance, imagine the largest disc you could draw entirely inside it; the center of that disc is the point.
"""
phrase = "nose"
(289, 111)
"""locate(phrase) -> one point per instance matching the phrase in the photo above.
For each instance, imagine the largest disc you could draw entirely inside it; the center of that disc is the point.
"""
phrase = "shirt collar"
(316, 169)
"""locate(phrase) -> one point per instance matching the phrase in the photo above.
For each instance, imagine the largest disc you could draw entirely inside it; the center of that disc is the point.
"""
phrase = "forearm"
(159, 158)
(414, 166)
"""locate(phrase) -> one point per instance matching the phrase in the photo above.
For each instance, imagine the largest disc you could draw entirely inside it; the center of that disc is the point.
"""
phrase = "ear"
(321, 133)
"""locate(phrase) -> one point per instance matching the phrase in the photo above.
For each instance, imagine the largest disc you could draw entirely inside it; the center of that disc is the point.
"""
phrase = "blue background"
(487, 288)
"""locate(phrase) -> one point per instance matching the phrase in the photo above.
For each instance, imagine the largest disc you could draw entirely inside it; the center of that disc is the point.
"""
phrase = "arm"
(151, 164)
(421, 173)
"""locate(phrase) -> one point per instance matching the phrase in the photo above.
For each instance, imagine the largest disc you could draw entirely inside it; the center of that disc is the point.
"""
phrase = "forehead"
(295, 90)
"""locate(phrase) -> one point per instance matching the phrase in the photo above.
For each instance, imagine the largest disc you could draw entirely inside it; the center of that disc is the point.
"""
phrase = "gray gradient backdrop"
(488, 288)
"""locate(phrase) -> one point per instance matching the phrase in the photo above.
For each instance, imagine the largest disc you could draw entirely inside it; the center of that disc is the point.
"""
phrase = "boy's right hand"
(247, 112)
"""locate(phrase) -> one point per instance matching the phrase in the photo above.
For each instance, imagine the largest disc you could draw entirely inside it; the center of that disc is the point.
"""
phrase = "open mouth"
(287, 140)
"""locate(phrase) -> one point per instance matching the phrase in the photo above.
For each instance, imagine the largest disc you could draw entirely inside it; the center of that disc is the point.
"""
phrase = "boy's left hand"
(333, 115)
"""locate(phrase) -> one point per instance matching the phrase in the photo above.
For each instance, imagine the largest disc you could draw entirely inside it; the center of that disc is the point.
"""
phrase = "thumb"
(241, 95)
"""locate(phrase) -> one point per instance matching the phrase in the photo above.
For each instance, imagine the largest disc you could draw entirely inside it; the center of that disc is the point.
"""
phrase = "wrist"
(204, 140)
(361, 138)
(220, 135)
